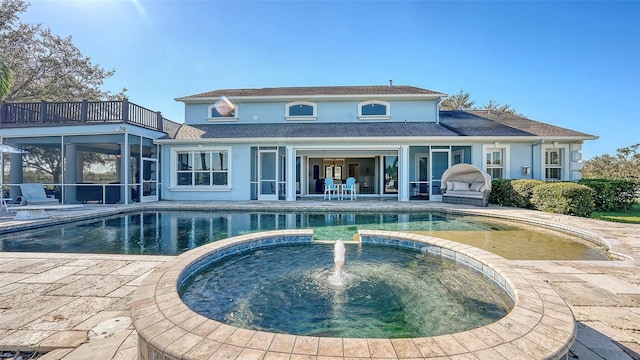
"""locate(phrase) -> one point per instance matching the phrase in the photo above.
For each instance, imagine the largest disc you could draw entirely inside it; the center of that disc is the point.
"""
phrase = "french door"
(149, 180)
(440, 161)
(268, 175)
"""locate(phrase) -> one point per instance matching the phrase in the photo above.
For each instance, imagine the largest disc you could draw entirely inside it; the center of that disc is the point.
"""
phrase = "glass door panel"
(267, 176)
(390, 174)
(440, 160)
(149, 180)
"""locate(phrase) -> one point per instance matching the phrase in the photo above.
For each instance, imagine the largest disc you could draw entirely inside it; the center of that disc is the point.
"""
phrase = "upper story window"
(301, 110)
(202, 168)
(222, 110)
(374, 110)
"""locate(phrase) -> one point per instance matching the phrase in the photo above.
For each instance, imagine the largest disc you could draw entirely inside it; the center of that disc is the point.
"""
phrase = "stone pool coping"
(540, 326)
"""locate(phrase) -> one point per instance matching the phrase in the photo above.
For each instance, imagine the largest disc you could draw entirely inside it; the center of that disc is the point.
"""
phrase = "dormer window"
(374, 110)
(222, 110)
(301, 110)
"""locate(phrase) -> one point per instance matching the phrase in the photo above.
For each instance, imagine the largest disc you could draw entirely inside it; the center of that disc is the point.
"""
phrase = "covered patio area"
(82, 152)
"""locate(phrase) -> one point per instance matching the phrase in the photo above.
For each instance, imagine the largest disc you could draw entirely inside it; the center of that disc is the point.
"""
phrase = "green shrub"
(563, 198)
(523, 189)
(502, 192)
(612, 195)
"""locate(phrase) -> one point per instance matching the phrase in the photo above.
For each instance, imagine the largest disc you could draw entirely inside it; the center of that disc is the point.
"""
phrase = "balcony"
(49, 114)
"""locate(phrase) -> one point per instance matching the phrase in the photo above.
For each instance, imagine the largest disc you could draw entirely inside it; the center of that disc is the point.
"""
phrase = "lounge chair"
(466, 184)
(34, 194)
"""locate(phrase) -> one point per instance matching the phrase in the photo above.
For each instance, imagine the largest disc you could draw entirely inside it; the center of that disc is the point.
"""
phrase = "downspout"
(438, 111)
(532, 146)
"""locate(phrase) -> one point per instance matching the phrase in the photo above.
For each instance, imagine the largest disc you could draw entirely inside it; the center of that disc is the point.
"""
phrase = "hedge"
(612, 195)
(523, 189)
(564, 198)
(502, 192)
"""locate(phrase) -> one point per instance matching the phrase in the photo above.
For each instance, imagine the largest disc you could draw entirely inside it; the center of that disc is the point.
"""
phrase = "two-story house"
(281, 143)
(274, 144)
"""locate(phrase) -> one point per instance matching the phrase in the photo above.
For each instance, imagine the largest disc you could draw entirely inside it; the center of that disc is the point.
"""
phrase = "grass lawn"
(629, 216)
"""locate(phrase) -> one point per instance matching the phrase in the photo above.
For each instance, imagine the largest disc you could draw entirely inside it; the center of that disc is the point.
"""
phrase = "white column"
(123, 171)
(403, 173)
(291, 173)
(291, 220)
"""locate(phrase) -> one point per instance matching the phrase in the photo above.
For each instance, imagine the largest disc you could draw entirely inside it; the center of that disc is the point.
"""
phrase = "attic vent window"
(374, 110)
(301, 110)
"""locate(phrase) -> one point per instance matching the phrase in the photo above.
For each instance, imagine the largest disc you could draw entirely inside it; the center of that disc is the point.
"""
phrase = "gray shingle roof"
(452, 124)
(464, 123)
(313, 130)
(317, 90)
(530, 126)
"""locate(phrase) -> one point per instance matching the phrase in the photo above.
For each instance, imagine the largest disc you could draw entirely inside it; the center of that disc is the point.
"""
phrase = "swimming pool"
(171, 232)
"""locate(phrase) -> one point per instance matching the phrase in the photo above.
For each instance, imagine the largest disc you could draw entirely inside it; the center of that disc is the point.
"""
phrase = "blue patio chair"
(350, 188)
(329, 188)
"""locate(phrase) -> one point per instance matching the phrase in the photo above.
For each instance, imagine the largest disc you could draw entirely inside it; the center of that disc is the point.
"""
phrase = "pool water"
(385, 293)
(174, 232)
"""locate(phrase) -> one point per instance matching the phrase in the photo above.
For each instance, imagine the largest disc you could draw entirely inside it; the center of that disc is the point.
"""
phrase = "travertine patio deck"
(51, 302)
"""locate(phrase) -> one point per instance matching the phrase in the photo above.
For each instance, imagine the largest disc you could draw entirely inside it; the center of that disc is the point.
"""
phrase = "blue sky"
(572, 64)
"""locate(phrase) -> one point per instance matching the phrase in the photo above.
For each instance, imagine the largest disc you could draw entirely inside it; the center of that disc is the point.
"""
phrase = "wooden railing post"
(84, 111)
(43, 111)
(160, 121)
(125, 110)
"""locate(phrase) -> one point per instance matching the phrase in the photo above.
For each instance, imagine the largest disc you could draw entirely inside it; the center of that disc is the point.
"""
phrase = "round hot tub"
(246, 301)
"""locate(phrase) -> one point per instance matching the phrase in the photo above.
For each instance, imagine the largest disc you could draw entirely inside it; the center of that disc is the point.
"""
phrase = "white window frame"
(304, 117)
(506, 155)
(387, 116)
(564, 161)
(221, 118)
(174, 169)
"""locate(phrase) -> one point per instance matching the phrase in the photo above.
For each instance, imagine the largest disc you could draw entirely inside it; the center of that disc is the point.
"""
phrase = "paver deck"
(56, 302)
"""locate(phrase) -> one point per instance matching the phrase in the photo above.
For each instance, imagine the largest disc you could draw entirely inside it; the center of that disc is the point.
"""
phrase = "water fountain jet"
(339, 252)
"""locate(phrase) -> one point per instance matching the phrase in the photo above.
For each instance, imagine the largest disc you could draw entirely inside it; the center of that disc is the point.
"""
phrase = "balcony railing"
(17, 115)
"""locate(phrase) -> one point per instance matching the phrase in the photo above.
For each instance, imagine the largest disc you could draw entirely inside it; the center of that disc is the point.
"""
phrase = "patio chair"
(350, 188)
(330, 189)
(34, 194)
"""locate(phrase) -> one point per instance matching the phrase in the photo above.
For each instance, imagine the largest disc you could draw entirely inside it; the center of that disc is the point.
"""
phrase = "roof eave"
(346, 97)
(452, 139)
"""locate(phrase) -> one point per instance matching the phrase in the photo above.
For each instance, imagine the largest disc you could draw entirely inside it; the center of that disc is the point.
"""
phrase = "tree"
(46, 160)
(624, 165)
(462, 101)
(45, 66)
(493, 105)
(5, 79)
(459, 101)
